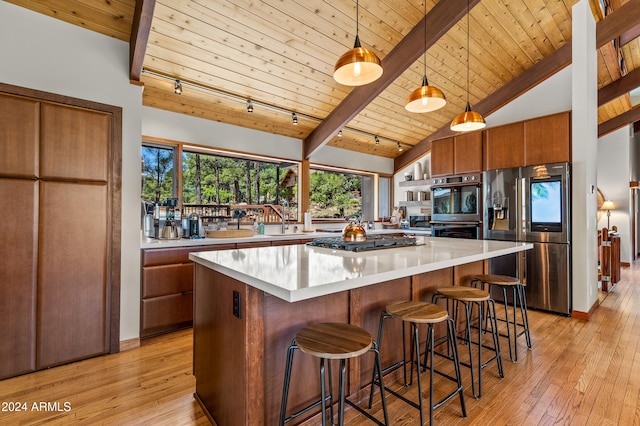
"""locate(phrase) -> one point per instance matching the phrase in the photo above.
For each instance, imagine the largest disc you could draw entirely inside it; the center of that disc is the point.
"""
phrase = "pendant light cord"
(468, 31)
(425, 37)
(357, 18)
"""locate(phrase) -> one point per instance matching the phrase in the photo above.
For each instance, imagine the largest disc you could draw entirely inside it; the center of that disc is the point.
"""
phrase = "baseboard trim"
(125, 345)
(585, 315)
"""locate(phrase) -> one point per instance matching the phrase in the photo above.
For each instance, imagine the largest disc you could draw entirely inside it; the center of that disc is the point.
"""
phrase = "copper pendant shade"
(425, 98)
(359, 66)
(468, 121)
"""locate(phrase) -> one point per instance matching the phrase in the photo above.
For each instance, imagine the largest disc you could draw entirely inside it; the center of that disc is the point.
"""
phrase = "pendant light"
(469, 120)
(359, 66)
(425, 98)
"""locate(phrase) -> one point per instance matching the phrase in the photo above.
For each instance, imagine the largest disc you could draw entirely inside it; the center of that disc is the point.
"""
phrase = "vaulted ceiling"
(280, 55)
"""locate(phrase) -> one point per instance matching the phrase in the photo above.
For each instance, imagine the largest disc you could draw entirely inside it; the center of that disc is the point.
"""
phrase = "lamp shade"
(468, 121)
(425, 98)
(608, 205)
(357, 67)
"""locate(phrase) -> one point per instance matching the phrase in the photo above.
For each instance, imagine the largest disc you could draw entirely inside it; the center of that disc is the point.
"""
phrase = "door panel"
(547, 277)
(78, 134)
(72, 284)
(18, 284)
(19, 132)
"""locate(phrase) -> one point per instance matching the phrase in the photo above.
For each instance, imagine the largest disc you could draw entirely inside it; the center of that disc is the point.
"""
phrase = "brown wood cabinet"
(547, 140)
(167, 284)
(60, 163)
(504, 147)
(467, 150)
(442, 157)
(457, 155)
(542, 140)
(18, 264)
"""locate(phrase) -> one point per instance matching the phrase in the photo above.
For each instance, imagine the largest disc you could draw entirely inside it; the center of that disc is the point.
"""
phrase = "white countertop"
(299, 272)
(151, 243)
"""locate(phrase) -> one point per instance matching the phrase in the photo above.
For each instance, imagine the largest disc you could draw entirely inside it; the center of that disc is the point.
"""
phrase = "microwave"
(420, 222)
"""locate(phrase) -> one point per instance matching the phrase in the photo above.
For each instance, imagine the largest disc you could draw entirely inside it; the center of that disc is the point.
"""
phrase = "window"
(158, 172)
(215, 185)
(335, 194)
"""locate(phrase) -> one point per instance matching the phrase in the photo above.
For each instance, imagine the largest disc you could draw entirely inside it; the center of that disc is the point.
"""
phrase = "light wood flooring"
(578, 373)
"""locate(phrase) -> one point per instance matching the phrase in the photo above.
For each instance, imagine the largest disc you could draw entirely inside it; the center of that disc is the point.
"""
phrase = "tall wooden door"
(18, 278)
(72, 282)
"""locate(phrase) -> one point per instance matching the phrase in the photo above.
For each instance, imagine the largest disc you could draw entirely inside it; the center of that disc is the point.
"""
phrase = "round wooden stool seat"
(418, 312)
(463, 293)
(498, 279)
(334, 340)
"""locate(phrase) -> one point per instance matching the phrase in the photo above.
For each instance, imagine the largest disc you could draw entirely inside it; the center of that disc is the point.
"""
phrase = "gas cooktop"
(374, 242)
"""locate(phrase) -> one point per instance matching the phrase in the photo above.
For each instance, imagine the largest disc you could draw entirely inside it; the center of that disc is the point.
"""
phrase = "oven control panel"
(474, 178)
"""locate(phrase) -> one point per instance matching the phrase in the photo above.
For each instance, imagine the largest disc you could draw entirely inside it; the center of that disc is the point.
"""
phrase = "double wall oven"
(457, 206)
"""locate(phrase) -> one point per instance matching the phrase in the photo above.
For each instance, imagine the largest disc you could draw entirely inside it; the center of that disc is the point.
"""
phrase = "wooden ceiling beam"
(510, 91)
(624, 119)
(619, 87)
(619, 21)
(140, 29)
(630, 35)
(440, 19)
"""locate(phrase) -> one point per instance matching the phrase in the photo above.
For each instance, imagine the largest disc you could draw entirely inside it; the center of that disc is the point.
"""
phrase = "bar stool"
(519, 299)
(415, 313)
(329, 341)
(470, 297)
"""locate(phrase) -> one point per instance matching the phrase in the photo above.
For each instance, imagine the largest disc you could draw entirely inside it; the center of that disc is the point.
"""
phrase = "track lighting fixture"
(340, 133)
(377, 140)
(468, 120)
(359, 66)
(399, 147)
(294, 118)
(249, 106)
(177, 88)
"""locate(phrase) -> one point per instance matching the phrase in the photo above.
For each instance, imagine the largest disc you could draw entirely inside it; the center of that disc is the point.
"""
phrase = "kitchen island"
(249, 303)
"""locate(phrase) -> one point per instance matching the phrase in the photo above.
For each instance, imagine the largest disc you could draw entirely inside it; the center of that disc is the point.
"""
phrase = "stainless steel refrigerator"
(533, 204)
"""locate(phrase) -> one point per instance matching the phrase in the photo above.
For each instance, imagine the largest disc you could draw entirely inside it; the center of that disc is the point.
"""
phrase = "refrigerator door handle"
(520, 209)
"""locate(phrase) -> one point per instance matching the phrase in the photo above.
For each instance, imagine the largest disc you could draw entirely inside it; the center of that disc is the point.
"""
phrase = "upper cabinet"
(467, 149)
(547, 140)
(456, 155)
(442, 157)
(504, 147)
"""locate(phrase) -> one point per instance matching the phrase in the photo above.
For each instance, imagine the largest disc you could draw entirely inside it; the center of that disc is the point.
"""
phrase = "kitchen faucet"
(285, 226)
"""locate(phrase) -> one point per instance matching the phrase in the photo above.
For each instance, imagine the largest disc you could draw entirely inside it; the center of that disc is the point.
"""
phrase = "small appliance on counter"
(195, 229)
(354, 231)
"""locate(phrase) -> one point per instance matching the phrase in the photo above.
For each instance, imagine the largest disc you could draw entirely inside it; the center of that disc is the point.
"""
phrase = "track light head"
(294, 118)
(377, 140)
(399, 147)
(177, 88)
(340, 133)
(249, 106)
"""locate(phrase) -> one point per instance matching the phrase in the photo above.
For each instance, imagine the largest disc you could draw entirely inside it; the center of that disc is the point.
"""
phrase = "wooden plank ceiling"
(281, 54)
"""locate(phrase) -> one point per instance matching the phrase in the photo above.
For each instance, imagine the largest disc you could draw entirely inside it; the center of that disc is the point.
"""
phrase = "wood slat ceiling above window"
(281, 53)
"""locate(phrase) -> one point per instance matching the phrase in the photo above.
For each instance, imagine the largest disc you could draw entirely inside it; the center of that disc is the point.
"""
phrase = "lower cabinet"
(167, 285)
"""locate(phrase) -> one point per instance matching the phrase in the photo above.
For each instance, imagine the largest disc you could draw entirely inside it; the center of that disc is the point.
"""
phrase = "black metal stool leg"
(525, 316)
(456, 362)
(491, 310)
(323, 393)
(287, 379)
(506, 315)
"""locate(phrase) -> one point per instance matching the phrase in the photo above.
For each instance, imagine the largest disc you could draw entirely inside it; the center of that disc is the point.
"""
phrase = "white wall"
(47, 54)
(613, 180)
(549, 97)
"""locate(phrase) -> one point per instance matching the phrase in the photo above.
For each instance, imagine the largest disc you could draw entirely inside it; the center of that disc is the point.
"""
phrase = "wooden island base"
(239, 361)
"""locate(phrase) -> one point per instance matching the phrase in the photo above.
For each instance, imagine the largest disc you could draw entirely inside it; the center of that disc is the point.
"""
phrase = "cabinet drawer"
(166, 311)
(167, 279)
(164, 256)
